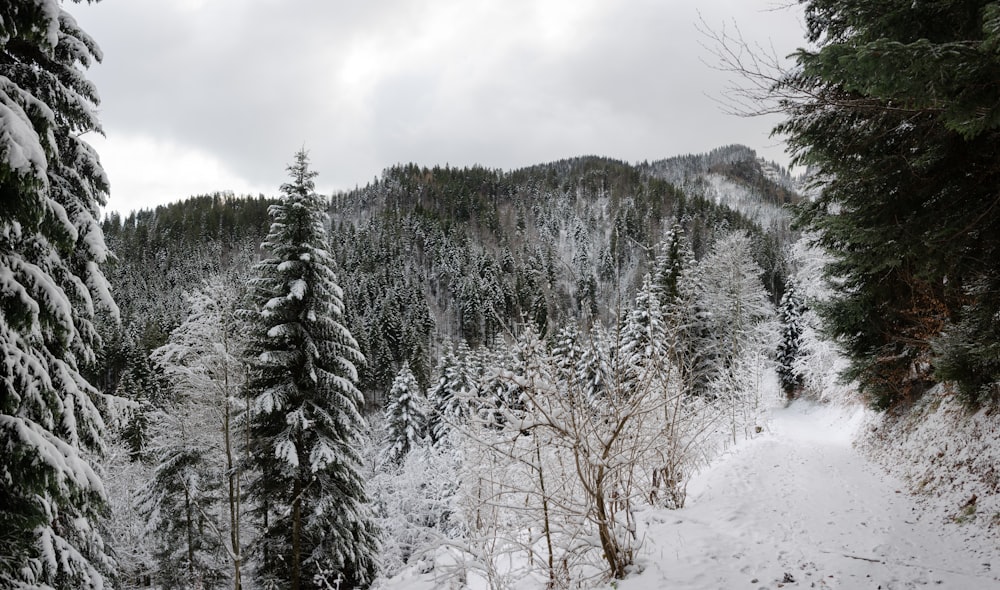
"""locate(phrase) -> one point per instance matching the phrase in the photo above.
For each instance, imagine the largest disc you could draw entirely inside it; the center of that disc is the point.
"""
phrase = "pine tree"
(897, 109)
(405, 417)
(51, 285)
(790, 318)
(315, 522)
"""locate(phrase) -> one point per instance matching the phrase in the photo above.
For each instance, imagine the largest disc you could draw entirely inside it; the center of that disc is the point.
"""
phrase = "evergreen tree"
(790, 318)
(644, 348)
(463, 379)
(315, 522)
(567, 353)
(183, 499)
(405, 417)
(696, 348)
(51, 284)
(675, 255)
(142, 382)
(897, 109)
(441, 394)
(593, 370)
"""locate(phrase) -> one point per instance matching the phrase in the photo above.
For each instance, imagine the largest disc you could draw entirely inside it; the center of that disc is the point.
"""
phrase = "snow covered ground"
(799, 507)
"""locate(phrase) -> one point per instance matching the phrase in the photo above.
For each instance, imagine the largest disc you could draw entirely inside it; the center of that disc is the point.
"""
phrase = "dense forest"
(427, 255)
(479, 375)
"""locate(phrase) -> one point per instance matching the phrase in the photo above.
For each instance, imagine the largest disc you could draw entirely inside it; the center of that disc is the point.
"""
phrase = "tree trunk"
(605, 530)
(297, 534)
(234, 503)
(190, 531)
(545, 515)
(232, 473)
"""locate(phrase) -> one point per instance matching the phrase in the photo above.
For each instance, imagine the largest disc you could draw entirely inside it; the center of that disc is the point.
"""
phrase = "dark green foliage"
(142, 382)
(968, 352)
(310, 499)
(675, 255)
(790, 317)
(51, 285)
(900, 117)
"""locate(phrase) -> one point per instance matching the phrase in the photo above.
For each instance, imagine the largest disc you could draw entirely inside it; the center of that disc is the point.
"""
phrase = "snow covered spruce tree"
(792, 324)
(316, 529)
(405, 417)
(51, 283)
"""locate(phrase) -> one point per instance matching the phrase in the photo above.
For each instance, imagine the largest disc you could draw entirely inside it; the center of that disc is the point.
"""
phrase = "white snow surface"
(797, 507)
(801, 503)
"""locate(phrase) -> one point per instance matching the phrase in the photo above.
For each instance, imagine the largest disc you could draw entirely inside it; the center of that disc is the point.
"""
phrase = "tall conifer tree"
(315, 522)
(897, 109)
(51, 250)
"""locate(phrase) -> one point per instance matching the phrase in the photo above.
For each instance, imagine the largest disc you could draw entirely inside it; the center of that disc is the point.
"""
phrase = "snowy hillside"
(949, 458)
(735, 177)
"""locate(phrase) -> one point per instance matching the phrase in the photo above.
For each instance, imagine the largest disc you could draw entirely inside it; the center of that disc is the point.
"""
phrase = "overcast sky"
(201, 96)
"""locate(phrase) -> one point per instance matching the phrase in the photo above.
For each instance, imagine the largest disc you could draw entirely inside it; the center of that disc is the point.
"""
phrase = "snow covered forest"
(535, 378)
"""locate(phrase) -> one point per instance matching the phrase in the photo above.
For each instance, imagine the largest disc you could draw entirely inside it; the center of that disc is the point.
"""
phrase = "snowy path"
(800, 504)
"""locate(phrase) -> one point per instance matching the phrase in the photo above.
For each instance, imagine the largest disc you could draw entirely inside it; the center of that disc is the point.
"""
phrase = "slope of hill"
(432, 253)
(736, 177)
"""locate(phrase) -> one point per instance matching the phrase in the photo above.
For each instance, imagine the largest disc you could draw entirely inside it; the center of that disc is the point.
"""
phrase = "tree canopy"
(897, 109)
(51, 285)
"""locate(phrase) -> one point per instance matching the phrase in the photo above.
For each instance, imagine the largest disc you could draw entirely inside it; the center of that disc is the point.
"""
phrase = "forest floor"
(800, 507)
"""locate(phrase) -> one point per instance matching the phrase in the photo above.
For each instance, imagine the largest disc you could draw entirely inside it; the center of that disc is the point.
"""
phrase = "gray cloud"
(241, 85)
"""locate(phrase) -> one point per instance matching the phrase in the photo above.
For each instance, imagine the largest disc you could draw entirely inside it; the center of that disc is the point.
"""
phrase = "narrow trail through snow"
(800, 508)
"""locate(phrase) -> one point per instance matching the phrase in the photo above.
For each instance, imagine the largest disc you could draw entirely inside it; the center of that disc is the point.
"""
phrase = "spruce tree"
(441, 394)
(594, 372)
(695, 351)
(315, 522)
(567, 353)
(644, 348)
(792, 324)
(51, 285)
(675, 255)
(897, 110)
(451, 396)
(405, 417)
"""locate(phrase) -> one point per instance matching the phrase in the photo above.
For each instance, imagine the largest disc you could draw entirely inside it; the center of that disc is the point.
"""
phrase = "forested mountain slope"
(431, 253)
